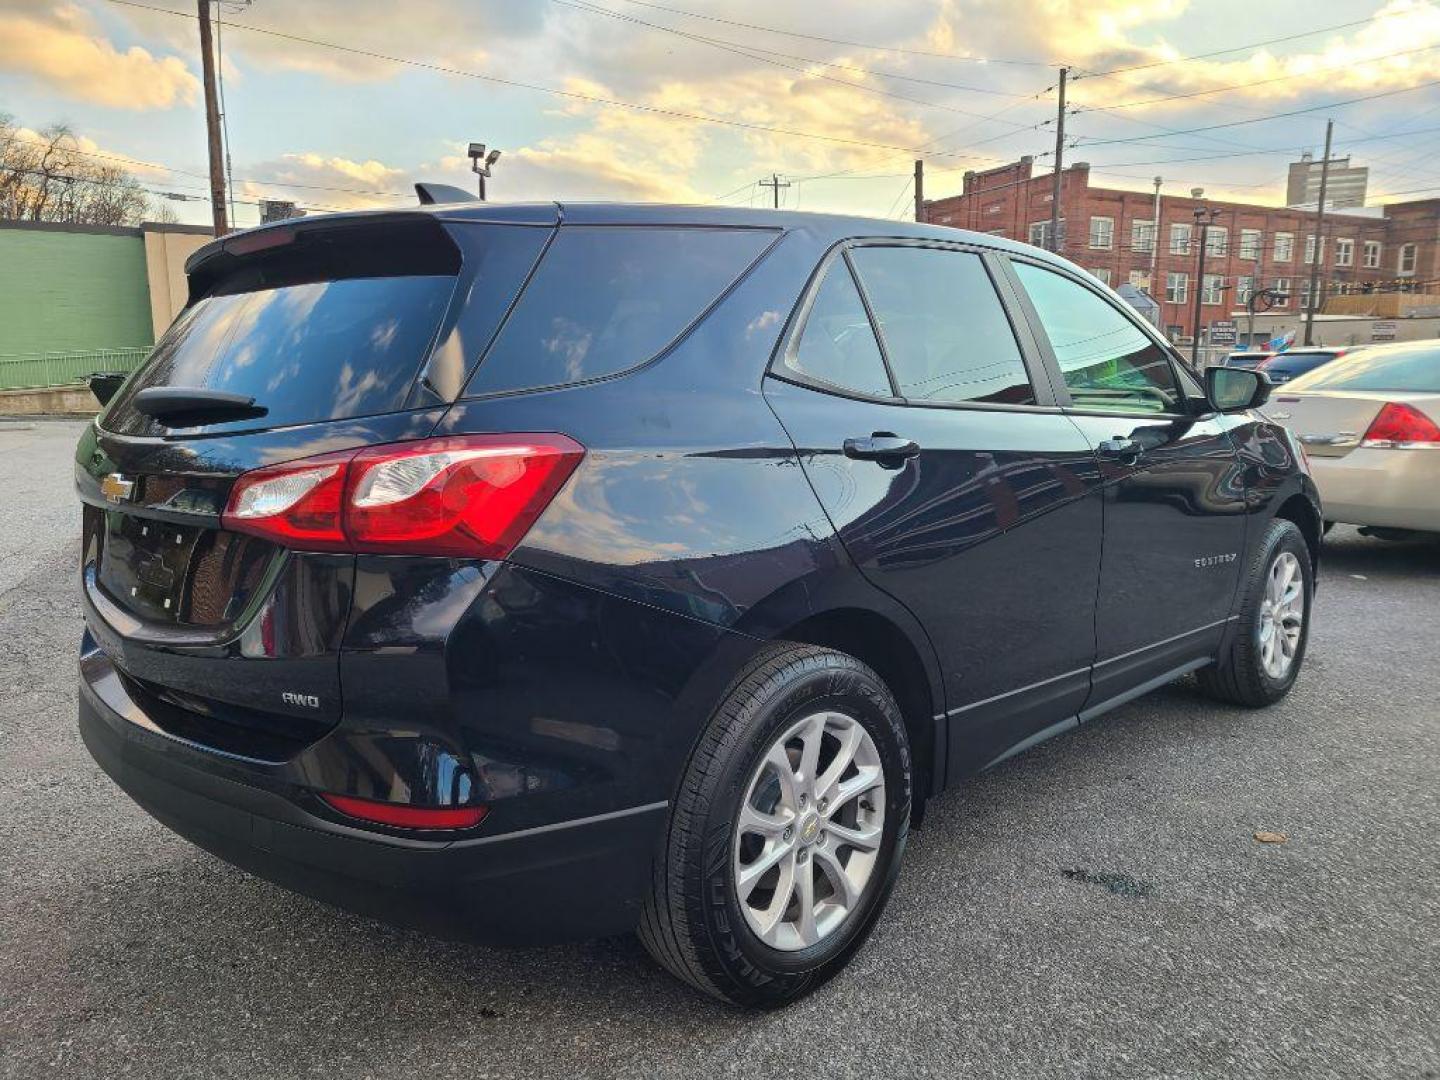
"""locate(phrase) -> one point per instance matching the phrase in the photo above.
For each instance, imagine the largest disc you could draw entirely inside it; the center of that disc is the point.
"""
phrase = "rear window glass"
(1415, 368)
(319, 351)
(331, 325)
(608, 298)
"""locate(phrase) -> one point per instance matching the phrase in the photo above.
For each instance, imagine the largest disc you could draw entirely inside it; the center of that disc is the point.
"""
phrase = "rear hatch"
(297, 341)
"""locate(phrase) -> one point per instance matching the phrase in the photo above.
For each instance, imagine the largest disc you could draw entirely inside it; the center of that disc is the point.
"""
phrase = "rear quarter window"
(606, 299)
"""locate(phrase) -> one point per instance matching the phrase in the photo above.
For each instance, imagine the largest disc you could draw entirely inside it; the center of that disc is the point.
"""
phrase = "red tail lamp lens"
(1399, 426)
(469, 496)
(405, 816)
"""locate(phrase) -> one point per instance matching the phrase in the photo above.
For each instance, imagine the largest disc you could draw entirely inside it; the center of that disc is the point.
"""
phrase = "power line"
(1229, 49)
(725, 43)
(841, 41)
(203, 176)
(744, 51)
(575, 95)
(1272, 116)
(1254, 82)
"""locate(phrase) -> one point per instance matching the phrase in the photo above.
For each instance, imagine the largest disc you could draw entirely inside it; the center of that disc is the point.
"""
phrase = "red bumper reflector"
(405, 816)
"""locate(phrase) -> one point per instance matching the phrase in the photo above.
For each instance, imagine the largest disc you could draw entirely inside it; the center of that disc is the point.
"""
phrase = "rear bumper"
(1388, 488)
(572, 879)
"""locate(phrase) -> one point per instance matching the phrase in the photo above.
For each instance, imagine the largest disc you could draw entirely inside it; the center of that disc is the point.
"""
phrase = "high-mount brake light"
(467, 496)
(1399, 426)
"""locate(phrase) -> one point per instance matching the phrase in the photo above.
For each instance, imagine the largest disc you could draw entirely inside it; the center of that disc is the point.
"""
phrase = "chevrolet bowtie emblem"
(116, 488)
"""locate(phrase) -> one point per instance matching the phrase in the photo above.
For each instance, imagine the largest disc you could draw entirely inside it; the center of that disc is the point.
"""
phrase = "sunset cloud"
(62, 52)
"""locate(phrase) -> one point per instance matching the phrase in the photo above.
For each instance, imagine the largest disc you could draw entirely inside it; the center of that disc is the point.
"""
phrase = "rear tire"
(757, 747)
(1267, 645)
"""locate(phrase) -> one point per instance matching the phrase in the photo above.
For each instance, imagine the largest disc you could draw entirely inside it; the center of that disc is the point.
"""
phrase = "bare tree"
(45, 177)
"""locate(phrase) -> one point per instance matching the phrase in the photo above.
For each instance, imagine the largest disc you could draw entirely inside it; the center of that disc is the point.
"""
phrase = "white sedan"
(1370, 425)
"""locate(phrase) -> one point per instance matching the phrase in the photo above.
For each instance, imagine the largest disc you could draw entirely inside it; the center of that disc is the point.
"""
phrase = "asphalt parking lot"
(1097, 907)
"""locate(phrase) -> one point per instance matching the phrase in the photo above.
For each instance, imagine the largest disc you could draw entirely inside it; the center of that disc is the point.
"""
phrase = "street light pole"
(480, 164)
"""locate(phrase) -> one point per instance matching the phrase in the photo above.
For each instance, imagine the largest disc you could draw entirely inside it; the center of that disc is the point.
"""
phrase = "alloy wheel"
(807, 839)
(1282, 615)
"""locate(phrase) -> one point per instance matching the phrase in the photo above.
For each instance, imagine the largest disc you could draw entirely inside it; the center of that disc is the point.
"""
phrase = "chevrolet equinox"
(537, 571)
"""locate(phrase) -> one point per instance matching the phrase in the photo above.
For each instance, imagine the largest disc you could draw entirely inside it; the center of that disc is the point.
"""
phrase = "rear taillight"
(471, 496)
(1402, 427)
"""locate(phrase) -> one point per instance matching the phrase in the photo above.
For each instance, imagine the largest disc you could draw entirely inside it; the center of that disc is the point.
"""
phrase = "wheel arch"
(1300, 509)
(883, 645)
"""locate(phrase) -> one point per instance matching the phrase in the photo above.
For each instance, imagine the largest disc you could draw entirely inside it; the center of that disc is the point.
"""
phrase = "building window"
(1102, 233)
(1140, 279)
(1252, 242)
(1176, 286)
(1339, 288)
(1282, 289)
(1284, 246)
(1372, 255)
(1212, 289)
(1102, 275)
(1142, 236)
(1244, 289)
(1217, 240)
(1310, 247)
(1305, 294)
(1344, 252)
(1406, 265)
(1180, 238)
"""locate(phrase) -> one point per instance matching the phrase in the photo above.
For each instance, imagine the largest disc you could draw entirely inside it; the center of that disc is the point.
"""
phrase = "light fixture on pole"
(480, 163)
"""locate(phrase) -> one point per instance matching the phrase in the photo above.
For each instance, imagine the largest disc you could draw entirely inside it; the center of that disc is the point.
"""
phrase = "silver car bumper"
(1398, 489)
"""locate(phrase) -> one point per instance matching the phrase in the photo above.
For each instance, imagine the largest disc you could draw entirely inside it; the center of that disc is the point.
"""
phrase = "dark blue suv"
(527, 572)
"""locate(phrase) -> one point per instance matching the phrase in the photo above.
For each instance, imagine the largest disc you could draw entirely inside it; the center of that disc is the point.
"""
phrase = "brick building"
(1111, 233)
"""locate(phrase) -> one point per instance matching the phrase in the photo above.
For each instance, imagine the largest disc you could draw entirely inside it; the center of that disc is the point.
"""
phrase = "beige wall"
(166, 249)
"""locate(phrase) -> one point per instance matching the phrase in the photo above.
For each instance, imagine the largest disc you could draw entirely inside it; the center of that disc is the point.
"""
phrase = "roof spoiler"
(441, 193)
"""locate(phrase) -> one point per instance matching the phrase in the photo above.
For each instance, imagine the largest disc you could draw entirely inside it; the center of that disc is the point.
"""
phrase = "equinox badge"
(116, 488)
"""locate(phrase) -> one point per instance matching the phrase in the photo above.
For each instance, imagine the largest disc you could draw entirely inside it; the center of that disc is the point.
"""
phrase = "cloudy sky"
(342, 103)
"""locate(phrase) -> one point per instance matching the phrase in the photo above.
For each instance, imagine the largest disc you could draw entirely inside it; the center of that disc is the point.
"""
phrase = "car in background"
(1246, 359)
(1370, 424)
(1282, 367)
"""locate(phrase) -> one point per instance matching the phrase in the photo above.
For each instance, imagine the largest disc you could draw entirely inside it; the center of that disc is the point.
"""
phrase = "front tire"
(1267, 648)
(787, 830)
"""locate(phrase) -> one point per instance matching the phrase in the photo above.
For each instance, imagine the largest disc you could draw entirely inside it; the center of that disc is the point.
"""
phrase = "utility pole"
(1203, 218)
(1155, 283)
(919, 190)
(1319, 248)
(776, 183)
(1059, 164)
(212, 123)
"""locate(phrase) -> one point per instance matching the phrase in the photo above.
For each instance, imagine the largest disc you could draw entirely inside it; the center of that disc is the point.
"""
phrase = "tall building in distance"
(1345, 187)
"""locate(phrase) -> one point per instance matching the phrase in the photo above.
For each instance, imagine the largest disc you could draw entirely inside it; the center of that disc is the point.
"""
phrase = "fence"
(66, 368)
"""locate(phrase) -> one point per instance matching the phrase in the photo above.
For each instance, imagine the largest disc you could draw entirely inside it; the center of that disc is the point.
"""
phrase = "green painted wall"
(62, 291)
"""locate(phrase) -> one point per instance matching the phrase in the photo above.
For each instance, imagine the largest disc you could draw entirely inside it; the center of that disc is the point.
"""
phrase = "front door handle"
(883, 446)
(1120, 449)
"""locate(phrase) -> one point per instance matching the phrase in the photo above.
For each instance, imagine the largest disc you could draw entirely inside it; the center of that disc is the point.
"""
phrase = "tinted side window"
(838, 343)
(1107, 362)
(946, 335)
(608, 298)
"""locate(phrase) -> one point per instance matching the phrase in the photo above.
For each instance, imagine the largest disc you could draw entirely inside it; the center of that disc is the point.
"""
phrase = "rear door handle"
(1119, 449)
(884, 447)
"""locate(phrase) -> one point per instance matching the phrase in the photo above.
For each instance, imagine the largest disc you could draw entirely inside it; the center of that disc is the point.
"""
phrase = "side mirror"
(104, 384)
(1233, 390)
